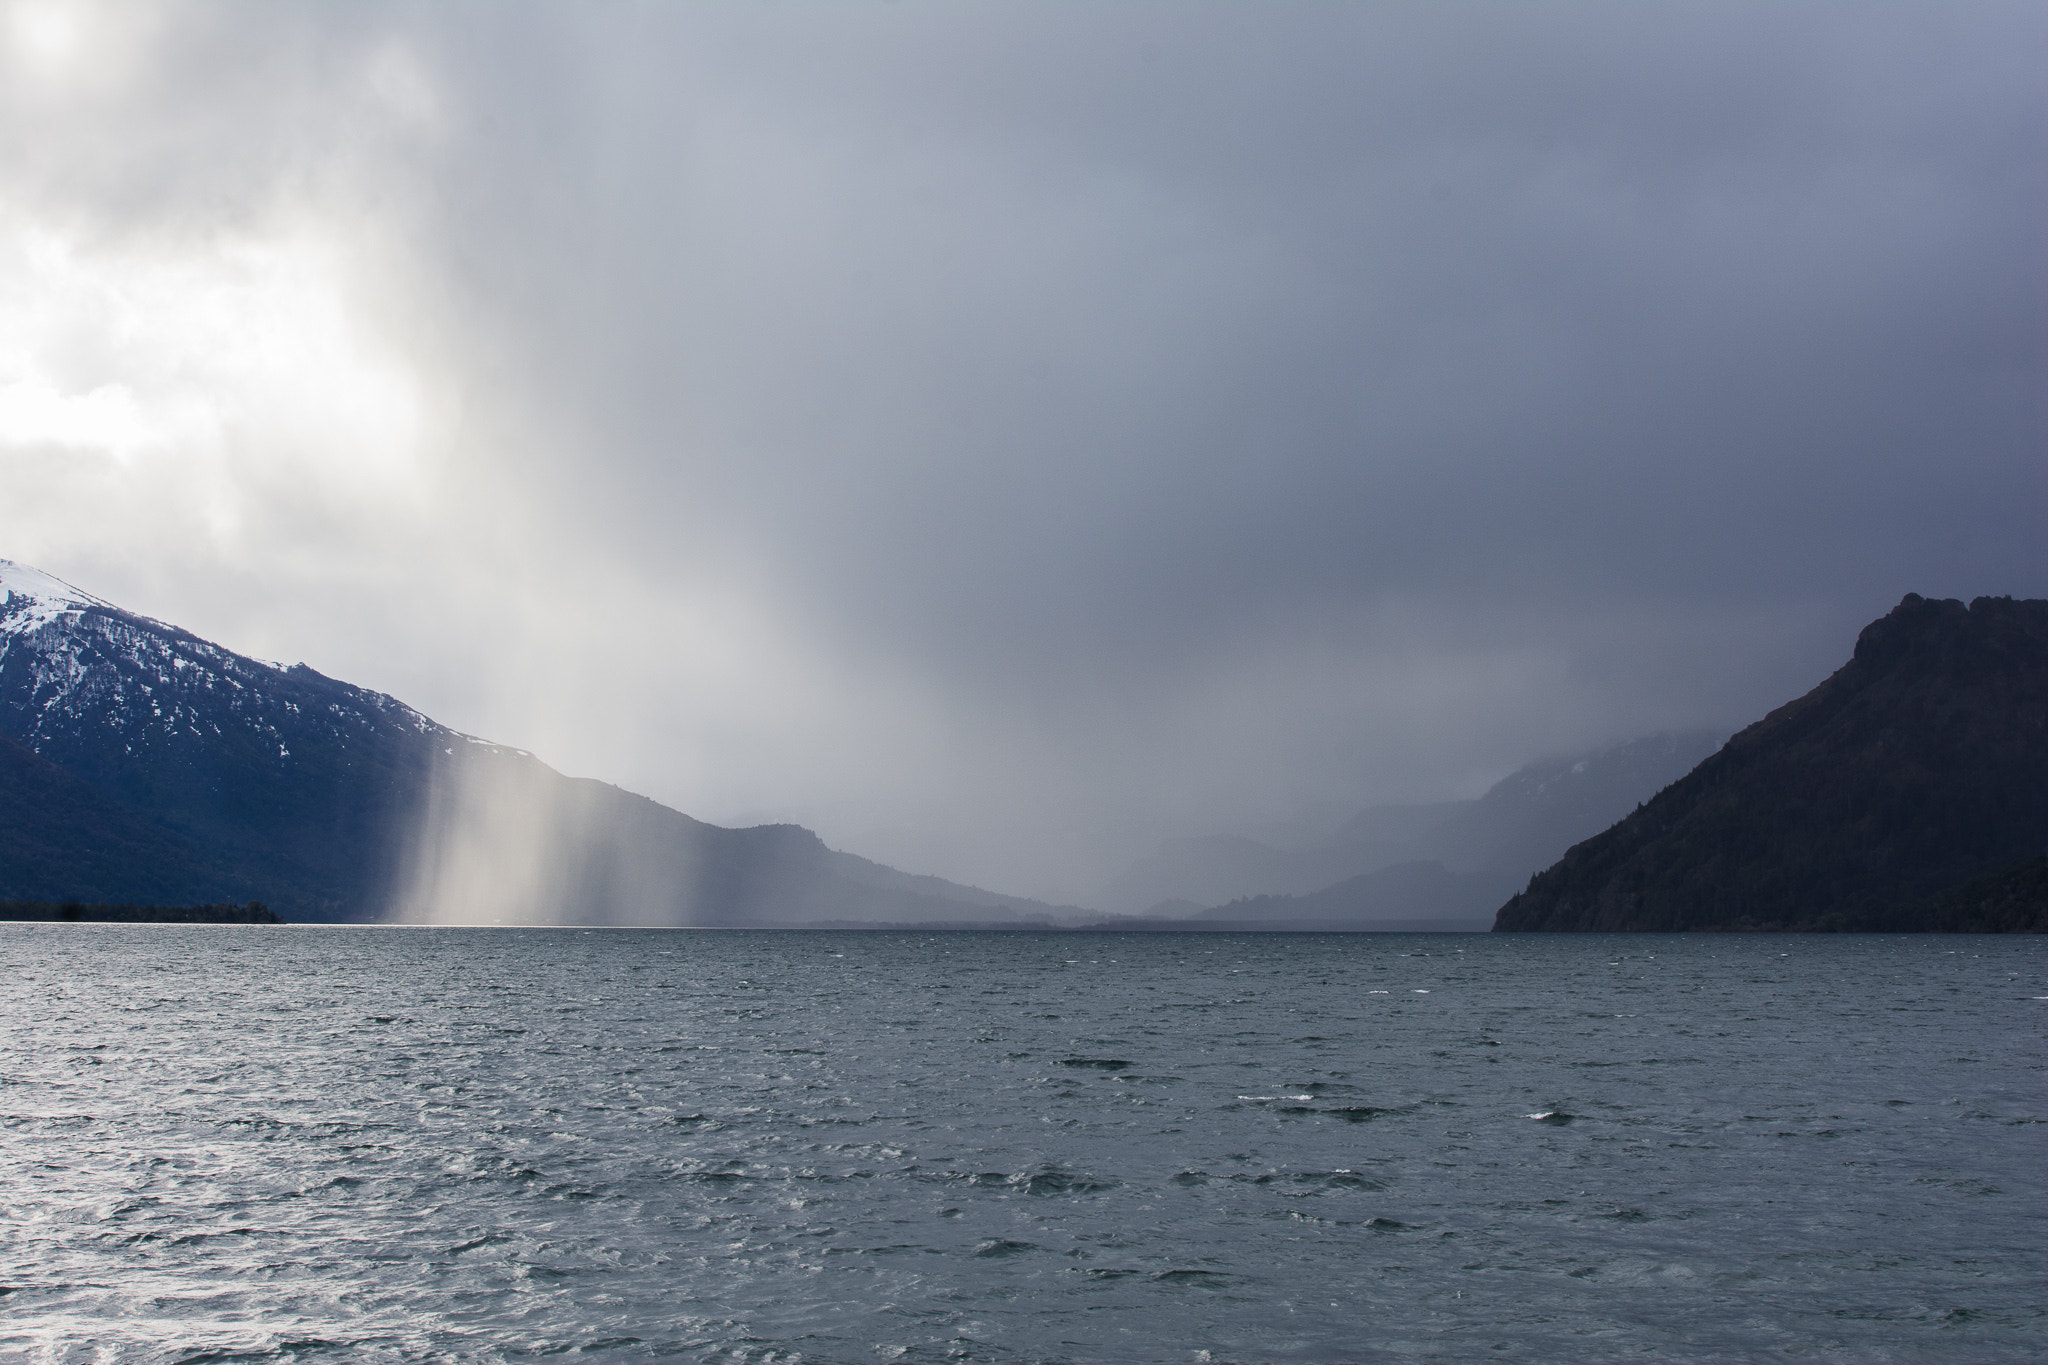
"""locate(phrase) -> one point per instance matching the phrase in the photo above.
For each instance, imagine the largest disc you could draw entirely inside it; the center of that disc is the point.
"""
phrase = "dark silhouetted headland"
(1908, 792)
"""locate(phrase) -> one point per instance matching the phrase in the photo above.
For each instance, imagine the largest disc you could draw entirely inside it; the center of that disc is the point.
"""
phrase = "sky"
(1001, 436)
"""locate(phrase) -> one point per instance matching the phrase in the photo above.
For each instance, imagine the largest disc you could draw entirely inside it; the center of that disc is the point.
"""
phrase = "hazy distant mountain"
(146, 764)
(1489, 846)
(1417, 895)
(1908, 791)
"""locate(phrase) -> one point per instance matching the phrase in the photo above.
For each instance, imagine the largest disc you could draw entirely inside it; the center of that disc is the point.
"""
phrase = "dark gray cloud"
(1135, 307)
(1140, 419)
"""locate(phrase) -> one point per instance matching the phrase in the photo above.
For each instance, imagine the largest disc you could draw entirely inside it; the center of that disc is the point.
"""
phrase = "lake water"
(307, 1143)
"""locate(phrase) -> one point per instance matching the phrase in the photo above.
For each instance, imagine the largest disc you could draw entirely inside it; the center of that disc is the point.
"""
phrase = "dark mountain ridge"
(1919, 767)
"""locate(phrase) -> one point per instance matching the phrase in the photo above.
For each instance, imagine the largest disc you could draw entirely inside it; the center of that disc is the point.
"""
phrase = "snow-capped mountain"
(302, 783)
(329, 801)
(113, 695)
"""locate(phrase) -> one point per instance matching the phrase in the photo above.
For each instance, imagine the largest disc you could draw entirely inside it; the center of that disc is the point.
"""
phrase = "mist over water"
(473, 1144)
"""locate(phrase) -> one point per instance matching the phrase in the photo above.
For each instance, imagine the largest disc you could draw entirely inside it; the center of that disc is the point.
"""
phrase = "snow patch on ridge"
(31, 599)
(75, 659)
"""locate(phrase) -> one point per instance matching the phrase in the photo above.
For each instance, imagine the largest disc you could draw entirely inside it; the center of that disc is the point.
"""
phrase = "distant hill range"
(141, 764)
(1443, 865)
(1907, 792)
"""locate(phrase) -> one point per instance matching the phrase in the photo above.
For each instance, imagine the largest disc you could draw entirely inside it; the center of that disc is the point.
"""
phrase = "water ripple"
(483, 1145)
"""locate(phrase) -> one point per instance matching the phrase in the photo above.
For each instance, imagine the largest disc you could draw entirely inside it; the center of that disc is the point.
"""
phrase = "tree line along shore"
(77, 912)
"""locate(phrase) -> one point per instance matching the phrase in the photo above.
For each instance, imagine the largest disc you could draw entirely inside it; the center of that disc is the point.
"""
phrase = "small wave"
(1096, 1063)
(1003, 1246)
(1336, 1180)
(1062, 1182)
(1556, 1118)
(190, 1239)
(531, 1271)
(289, 1349)
(573, 1191)
(1361, 1113)
(1350, 1113)
(1042, 1182)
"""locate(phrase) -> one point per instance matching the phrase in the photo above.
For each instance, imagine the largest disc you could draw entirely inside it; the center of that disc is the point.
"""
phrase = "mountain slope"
(1491, 845)
(1920, 765)
(1412, 895)
(64, 841)
(298, 782)
(231, 779)
(1528, 819)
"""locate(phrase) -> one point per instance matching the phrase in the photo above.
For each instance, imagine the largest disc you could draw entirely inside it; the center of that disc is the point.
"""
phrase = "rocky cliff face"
(1920, 766)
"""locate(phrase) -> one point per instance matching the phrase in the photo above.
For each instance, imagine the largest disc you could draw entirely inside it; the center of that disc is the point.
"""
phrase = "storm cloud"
(1000, 436)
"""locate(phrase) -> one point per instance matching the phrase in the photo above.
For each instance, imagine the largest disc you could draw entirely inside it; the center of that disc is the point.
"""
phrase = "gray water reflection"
(469, 1144)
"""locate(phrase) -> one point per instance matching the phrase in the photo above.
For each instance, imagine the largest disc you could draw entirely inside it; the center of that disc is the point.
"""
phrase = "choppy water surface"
(230, 1143)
